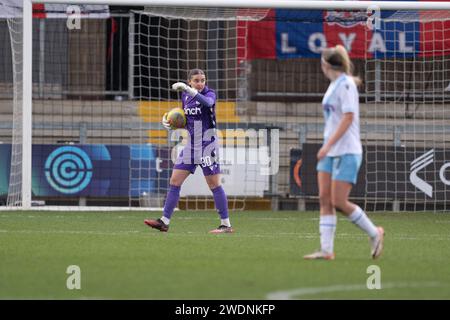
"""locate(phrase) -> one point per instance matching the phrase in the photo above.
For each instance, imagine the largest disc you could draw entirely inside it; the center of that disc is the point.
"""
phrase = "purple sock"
(171, 200)
(220, 199)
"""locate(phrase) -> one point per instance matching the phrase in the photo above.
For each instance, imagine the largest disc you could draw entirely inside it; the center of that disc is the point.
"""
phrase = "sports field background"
(121, 258)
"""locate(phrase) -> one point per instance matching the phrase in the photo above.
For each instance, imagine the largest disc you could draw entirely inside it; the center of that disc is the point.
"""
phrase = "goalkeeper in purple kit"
(198, 103)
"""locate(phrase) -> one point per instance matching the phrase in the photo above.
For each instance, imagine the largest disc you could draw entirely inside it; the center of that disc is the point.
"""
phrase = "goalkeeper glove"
(180, 86)
(165, 122)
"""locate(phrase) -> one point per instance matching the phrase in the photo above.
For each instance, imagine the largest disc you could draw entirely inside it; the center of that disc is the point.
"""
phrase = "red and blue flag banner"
(286, 34)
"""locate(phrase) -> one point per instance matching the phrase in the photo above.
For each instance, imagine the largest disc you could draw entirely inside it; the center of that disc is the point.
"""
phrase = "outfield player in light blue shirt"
(340, 156)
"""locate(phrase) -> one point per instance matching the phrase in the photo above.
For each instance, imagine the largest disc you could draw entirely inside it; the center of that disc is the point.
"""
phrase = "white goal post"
(284, 4)
(28, 48)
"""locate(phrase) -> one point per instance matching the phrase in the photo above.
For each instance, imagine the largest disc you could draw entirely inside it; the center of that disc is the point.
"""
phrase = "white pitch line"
(71, 232)
(154, 233)
(291, 294)
(150, 233)
(251, 218)
(177, 218)
(297, 235)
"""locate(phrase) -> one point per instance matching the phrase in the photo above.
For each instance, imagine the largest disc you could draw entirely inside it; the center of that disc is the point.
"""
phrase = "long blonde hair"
(339, 60)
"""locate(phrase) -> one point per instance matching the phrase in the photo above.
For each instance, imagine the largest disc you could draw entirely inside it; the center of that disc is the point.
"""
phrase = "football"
(176, 118)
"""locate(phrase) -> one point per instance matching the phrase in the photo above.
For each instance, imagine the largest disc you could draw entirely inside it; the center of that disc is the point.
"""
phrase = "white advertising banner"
(242, 174)
(13, 8)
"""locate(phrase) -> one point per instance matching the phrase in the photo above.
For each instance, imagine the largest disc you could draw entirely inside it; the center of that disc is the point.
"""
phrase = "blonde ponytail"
(339, 59)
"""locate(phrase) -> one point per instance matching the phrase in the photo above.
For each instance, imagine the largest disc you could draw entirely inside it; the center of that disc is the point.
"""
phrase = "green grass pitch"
(121, 258)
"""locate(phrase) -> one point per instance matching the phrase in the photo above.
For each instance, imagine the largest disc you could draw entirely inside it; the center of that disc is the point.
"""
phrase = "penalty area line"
(299, 292)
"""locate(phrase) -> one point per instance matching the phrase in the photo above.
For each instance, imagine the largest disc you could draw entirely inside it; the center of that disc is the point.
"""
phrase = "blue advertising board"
(95, 170)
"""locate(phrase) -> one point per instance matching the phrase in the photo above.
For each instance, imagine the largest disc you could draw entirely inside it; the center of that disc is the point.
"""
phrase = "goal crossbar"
(282, 4)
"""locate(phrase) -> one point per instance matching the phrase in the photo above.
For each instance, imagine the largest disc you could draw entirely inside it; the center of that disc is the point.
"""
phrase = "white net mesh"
(15, 176)
(169, 42)
(407, 81)
(100, 90)
(207, 14)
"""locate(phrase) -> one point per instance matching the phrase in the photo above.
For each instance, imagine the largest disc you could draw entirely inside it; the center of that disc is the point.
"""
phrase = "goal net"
(12, 164)
(407, 112)
(101, 82)
(170, 41)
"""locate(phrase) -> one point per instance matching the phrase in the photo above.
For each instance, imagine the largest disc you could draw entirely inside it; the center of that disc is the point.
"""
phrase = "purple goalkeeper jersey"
(200, 116)
(202, 148)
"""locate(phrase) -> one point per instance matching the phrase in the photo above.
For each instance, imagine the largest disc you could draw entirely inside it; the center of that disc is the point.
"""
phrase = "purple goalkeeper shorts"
(208, 163)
